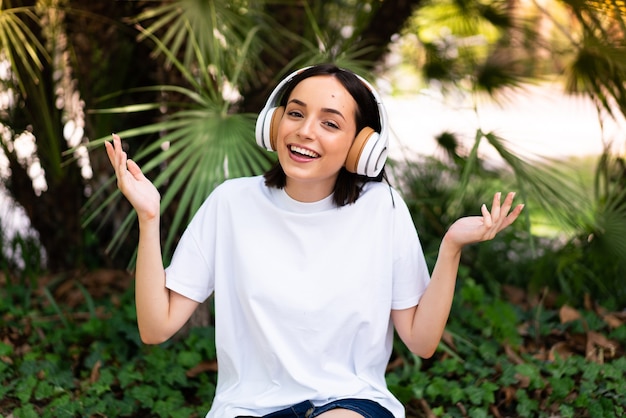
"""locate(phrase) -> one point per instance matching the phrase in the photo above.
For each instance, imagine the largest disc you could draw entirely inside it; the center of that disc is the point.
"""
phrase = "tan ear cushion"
(354, 154)
(277, 115)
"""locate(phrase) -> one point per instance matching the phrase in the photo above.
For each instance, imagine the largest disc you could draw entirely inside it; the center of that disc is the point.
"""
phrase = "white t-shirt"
(303, 293)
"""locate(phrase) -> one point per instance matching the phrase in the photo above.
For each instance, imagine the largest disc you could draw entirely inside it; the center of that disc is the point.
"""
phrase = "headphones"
(368, 152)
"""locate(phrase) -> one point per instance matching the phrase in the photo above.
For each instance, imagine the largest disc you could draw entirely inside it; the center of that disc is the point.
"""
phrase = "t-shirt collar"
(286, 202)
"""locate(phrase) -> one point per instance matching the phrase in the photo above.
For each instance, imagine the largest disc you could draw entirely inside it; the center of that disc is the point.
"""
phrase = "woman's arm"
(160, 312)
(422, 326)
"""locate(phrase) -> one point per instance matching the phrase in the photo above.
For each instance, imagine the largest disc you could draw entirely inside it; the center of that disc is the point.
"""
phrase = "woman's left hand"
(473, 229)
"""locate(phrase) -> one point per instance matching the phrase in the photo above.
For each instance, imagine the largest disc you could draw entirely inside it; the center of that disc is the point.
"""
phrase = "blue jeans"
(365, 407)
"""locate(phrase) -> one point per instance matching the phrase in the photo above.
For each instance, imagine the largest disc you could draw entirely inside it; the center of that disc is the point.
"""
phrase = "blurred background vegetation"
(181, 81)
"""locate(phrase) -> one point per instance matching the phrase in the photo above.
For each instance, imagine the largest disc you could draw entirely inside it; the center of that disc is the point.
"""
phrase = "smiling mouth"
(303, 152)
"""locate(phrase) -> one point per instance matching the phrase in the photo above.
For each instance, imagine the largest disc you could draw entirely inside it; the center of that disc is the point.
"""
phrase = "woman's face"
(314, 136)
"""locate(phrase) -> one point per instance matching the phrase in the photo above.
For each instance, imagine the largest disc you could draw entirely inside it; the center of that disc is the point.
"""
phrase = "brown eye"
(294, 113)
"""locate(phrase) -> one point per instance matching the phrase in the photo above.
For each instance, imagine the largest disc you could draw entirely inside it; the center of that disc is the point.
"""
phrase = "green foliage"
(491, 46)
(475, 370)
(54, 365)
(587, 256)
(598, 68)
(20, 265)
(461, 41)
(592, 258)
(19, 43)
(212, 27)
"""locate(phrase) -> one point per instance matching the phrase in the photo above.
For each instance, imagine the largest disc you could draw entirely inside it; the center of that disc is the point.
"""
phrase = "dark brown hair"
(348, 185)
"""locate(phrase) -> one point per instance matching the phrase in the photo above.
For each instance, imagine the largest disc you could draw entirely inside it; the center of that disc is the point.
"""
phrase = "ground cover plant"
(68, 353)
(518, 356)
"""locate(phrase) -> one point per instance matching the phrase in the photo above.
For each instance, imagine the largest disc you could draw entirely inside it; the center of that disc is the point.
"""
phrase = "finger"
(508, 203)
(134, 169)
(511, 217)
(119, 151)
(117, 142)
(110, 152)
(495, 207)
(487, 221)
(514, 214)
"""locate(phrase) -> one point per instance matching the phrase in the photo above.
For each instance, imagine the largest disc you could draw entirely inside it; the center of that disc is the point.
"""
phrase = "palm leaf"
(610, 199)
(21, 46)
(196, 28)
(599, 65)
(462, 19)
(549, 183)
(202, 146)
(327, 47)
(31, 66)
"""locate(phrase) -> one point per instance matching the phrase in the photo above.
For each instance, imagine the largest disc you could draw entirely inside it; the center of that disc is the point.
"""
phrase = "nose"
(306, 130)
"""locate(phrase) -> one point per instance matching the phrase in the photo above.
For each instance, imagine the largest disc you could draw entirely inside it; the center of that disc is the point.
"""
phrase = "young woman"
(313, 265)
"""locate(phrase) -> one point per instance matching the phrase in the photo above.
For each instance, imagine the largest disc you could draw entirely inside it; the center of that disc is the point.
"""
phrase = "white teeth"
(304, 151)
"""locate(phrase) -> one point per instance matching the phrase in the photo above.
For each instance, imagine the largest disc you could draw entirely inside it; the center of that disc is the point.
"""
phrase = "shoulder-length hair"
(349, 185)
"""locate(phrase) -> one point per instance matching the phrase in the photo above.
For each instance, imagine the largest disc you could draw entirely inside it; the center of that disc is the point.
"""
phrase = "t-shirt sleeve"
(410, 271)
(191, 272)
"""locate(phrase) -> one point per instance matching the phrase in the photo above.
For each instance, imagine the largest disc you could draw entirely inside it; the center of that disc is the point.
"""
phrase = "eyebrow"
(324, 109)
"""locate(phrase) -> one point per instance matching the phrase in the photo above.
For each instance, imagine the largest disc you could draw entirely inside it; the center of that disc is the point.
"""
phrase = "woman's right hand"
(139, 191)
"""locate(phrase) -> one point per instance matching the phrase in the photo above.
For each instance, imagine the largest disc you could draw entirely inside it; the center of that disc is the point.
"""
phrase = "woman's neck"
(309, 191)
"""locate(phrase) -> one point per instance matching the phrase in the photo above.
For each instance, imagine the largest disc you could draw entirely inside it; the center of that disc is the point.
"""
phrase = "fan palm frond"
(200, 143)
(549, 183)
(599, 66)
(213, 27)
(20, 45)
